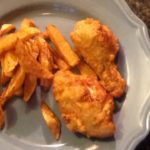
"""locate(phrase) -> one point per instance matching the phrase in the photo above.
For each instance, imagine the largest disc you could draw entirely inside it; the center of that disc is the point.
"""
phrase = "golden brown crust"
(98, 46)
(84, 104)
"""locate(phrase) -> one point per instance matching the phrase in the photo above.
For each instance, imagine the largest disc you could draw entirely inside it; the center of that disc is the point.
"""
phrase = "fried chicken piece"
(98, 46)
(84, 104)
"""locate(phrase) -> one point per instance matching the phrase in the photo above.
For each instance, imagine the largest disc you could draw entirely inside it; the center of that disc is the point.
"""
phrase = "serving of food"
(79, 69)
(28, 60)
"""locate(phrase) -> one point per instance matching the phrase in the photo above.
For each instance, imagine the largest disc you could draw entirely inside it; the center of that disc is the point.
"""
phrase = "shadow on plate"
(10, 114)
(109, 139)
(20, 121)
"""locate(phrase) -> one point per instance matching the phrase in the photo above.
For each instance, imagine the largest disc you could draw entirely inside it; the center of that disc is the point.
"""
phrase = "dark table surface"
(142, 9)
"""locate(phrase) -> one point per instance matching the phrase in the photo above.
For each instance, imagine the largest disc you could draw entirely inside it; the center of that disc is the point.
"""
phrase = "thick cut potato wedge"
(85, 69)
(33, 48)
(26, 22)
(29, 64)
(9, 63)
(2, 118)
(62, 46)
(15, 83)
(44, 35)
(6, 28)
(61, 64)
(27, 33)
(19, 92)
(46, 60)
(45, 57)
(8, 42)
(51, 120)
(3, 79)
(30, 84)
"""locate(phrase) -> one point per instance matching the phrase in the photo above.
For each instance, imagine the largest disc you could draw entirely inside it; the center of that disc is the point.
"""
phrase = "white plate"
(25, 128)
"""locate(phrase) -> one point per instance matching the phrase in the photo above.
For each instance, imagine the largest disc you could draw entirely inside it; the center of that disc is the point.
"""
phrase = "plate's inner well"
(24, 122)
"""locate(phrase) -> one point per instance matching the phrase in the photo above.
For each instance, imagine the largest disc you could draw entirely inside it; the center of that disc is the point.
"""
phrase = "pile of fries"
(27, 60)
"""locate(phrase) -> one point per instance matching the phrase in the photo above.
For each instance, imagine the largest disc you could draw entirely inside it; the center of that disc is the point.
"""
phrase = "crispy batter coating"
(84, 104)
(98, 46)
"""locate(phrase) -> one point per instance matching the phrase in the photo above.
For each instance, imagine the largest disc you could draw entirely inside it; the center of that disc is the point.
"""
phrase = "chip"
(30, 84)
(9, 63)
(28, 62)
(62, 46)
(8, 42)
(46, 60)
(6, 28)
(15, 83)
(26, 22)
(51, 120)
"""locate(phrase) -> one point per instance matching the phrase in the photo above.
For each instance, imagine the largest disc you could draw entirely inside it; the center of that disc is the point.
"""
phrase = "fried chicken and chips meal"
(85, 98)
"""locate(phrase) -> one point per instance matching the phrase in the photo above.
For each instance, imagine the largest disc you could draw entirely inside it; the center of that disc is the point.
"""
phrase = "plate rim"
(145, 41)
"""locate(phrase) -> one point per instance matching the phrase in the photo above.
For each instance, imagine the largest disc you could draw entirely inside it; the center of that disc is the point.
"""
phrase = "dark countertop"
(142, 9)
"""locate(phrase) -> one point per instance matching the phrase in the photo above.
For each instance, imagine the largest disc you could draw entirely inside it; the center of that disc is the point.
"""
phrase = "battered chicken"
(98, 46)
(84, 104)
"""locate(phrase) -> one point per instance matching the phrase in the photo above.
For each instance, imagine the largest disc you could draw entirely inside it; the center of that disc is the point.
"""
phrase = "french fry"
(30, 82)
(29, 64)
(62, 46)
(51, 120)
(27, 33)
(30, 23)
(3, 79)
(15, 83)
(62, 65)
(45, 35)
(45, 57)
(46, 60)
(6, 28)
(9, 63)
(2, 118)
(8, 42)
(26, 22)
(19, 92)
(33, 48)
(85, 69)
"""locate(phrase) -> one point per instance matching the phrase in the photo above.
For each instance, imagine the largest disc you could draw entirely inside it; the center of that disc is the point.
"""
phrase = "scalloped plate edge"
(145, 41)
